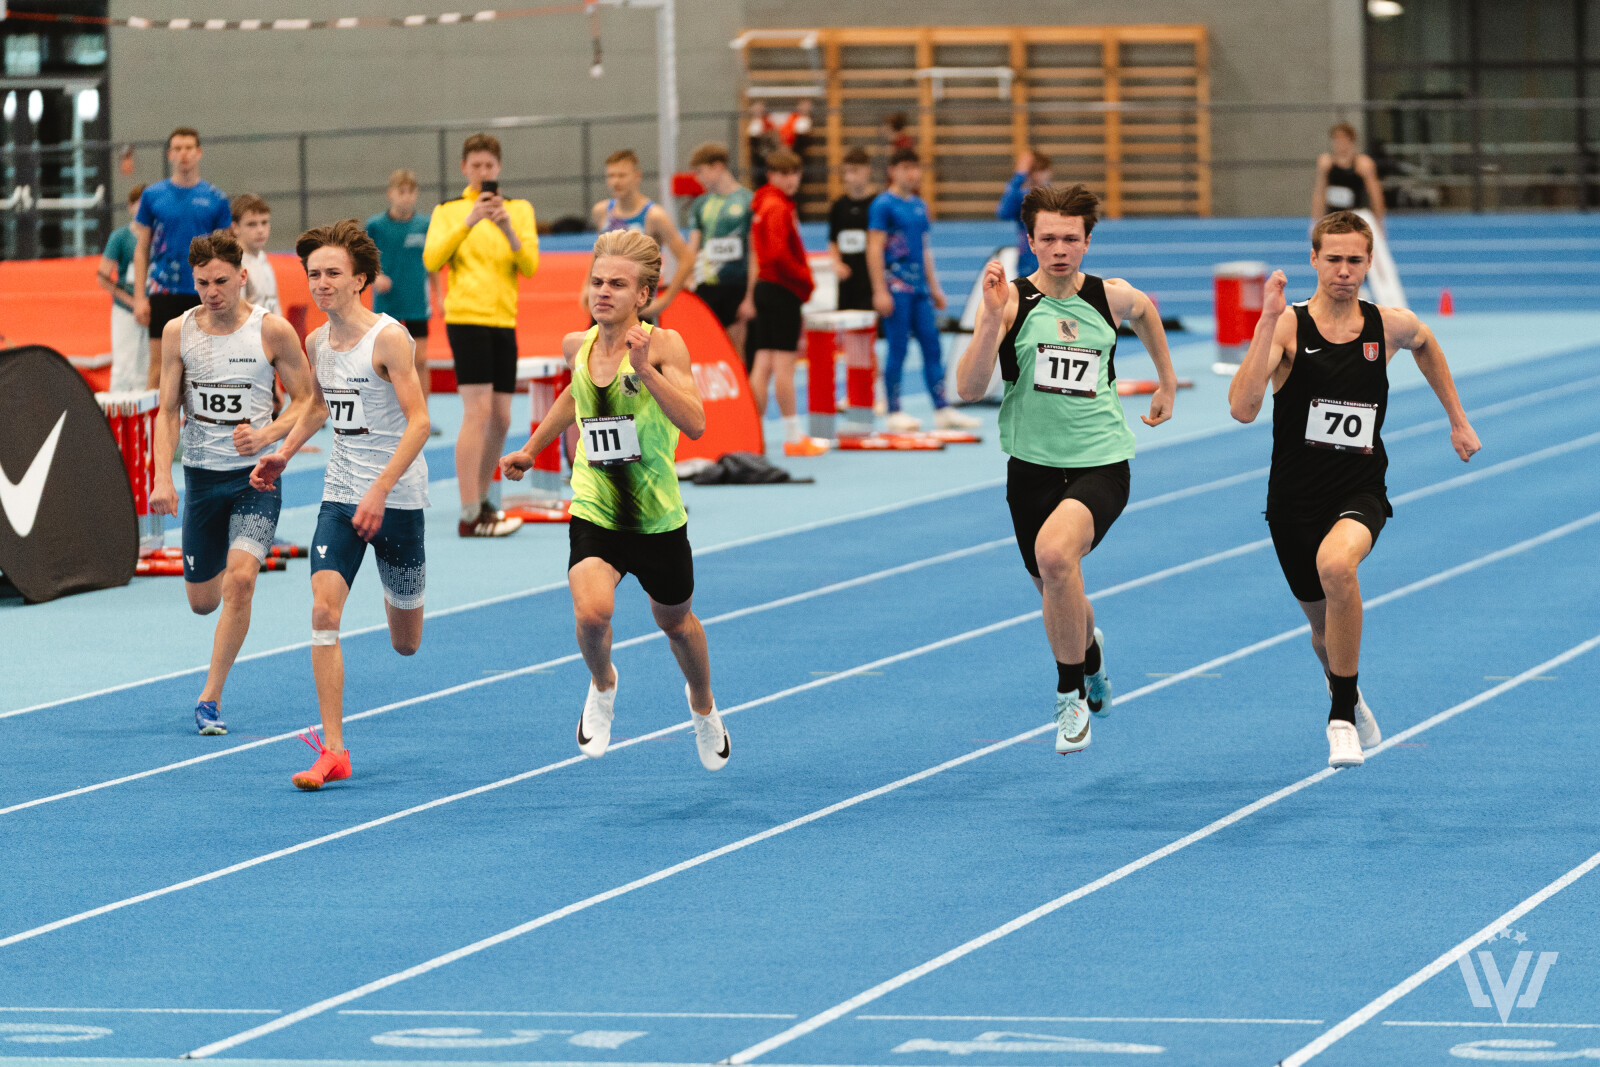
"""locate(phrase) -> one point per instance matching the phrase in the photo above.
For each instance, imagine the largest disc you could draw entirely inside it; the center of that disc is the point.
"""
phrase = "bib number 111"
(611, 439)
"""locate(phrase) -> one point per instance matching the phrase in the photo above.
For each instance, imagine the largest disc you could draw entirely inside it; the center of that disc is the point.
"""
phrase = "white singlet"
(261, 286)
(367, 423)
(227, 381)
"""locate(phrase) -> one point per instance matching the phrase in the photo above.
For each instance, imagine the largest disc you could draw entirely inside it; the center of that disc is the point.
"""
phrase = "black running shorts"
(417, 328)
(1034, 492)
(663, 562)
(778, 320)
(484, 355)
(1296, 536)
(723, 300)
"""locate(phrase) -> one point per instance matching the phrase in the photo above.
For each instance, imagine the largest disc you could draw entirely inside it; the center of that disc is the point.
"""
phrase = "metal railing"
(1433, 155)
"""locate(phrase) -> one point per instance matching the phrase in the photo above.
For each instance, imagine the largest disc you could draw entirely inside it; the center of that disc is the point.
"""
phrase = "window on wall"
(1480, 104)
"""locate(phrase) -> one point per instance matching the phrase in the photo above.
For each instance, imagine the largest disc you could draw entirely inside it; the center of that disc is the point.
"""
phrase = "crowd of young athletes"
(235, 380)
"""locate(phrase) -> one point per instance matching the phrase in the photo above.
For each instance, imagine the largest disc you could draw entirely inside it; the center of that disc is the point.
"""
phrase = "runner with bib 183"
(1061, 422)
(632, 393)
(1327, 359)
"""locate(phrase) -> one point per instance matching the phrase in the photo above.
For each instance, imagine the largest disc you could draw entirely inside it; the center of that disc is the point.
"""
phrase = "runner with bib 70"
(1327, 361)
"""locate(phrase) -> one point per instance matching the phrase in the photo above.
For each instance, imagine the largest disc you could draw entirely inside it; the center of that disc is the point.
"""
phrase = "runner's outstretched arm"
(975, 369)
(1402, 329)
(269, 466)
(164, 494)
(661, 360)
(1139, 311)
(1274, 335)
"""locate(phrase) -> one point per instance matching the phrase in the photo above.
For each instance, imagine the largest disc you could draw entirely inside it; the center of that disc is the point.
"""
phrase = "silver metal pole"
(667, 94)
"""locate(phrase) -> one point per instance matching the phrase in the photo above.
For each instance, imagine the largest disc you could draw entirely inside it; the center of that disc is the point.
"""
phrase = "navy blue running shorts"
(222, 512)
(401, 563)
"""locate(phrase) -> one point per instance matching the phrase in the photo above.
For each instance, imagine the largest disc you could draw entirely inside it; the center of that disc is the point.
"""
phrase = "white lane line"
(1498, 468)
(586, 1014)
(1240, 550)
(823, 1018)
(1082, 1019)
(1492, 1024)
(1449, 958)
(573, 761)
(787, 531)
(153, 1011)
(440, 961)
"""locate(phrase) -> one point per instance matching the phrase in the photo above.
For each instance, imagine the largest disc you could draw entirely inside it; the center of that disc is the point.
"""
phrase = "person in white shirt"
(252, 224)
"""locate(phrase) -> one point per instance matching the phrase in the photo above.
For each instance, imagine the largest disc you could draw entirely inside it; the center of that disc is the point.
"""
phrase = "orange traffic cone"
(1447, 306)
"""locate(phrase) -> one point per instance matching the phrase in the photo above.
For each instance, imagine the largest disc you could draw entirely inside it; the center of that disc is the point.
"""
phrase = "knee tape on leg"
(324, 637)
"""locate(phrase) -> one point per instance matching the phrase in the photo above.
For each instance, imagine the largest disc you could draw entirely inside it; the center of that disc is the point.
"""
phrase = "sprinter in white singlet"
(376, 485)
(218, 363)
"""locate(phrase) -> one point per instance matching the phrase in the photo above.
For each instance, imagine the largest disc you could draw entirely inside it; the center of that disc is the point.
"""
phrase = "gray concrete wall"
(1263, 52)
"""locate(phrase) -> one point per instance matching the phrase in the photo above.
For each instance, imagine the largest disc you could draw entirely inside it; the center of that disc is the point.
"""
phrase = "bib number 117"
(1066, 369)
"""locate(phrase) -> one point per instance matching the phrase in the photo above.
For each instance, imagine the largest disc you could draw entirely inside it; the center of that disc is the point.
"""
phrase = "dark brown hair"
(480, 142)
(857, 157)
(1041, 161)
(903, 155)
(218, 244)
(183, 131)
(783, 161)
(348, 235)
(1061, 200)
(623, 155)
(245, 203)
(709, 153)
(135, 193)
(1335, 222)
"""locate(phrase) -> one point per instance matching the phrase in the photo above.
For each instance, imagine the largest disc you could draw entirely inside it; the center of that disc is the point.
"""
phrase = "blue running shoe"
(206, 719)
(1098, 684)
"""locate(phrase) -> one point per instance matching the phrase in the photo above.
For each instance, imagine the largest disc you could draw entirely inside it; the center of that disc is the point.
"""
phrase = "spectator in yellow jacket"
(486, 241)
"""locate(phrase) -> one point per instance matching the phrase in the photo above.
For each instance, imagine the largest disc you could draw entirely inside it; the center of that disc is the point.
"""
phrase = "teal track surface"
(895, 868)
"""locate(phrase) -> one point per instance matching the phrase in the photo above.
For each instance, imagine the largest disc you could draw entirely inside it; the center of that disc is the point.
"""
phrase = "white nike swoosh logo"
(1311, 350)
(20, 500)
(1033, 296)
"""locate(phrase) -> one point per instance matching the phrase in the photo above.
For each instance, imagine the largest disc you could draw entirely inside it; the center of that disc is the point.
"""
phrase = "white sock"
(791, 428)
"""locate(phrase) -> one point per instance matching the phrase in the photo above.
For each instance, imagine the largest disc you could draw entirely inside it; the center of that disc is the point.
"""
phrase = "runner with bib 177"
(1327, 360)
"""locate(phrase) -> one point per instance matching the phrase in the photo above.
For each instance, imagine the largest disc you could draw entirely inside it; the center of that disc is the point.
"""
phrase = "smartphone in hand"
(490, 187)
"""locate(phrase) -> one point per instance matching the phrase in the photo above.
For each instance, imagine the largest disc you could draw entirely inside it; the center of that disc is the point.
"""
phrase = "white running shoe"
(901, 422)
(1366, 724)
(1344, 749)
(1098, 684)
(1072, 723)
(948, 418)
(710, 736)
(595, 722)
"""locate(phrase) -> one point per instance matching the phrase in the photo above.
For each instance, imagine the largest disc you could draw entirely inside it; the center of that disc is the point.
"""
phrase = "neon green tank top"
(1061, 407)
(624, 477)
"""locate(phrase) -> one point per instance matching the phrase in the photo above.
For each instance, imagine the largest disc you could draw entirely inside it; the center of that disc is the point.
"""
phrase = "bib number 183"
(1066, 369)
(1345, 425)
(611, 439)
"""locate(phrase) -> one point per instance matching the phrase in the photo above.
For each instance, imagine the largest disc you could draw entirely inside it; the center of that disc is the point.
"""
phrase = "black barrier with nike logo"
(67, 522)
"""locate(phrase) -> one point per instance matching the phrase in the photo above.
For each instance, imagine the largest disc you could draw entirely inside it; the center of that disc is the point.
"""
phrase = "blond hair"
(639, 247)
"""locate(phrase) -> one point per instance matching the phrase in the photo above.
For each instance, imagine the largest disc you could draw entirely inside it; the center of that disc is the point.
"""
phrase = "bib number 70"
(1340, 424)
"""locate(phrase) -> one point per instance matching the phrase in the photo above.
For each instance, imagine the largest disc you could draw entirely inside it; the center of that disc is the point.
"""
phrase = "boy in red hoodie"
(780, 281)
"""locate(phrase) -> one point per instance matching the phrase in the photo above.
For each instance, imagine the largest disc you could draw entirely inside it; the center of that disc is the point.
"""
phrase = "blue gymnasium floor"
(895, 868)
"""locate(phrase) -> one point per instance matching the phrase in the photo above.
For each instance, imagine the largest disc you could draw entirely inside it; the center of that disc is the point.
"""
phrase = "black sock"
(1091, 658)
(1069, 678)
(1344, 698)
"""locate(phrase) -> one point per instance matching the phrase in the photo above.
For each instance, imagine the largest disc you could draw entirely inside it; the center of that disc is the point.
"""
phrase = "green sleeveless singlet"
(1055, 355)
(624, 477)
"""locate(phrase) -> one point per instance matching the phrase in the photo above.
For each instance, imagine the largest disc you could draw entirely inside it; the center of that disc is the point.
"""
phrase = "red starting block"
(890, 442)
(542, 511)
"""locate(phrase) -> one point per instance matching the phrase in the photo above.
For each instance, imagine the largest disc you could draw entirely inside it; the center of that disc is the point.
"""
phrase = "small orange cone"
(1447, 306)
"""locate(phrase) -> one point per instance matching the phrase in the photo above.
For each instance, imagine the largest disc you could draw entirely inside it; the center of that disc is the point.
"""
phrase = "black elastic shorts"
(164, 307)
(484, 355)
(1296, 537)
(778, 319)
(417, 328)
(1034, 492)
(723, 300)
(855, 292)
(663, 562)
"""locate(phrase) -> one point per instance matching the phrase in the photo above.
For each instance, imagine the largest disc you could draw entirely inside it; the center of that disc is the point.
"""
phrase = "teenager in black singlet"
(1327, 362)
(1347, 179)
